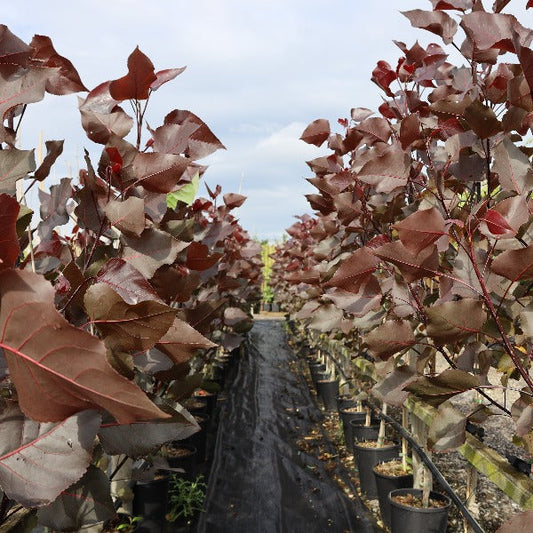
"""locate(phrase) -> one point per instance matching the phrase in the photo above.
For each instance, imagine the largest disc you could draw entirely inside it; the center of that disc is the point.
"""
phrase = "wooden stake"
(404, 440)
(471, 487)
(382, 425)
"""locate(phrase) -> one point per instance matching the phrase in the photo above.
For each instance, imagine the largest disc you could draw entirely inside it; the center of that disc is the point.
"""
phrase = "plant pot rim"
(348, 412)
(161, 478)
(388, 447)
(356, 424)
(203, 392)
(389, 476)
(184, 445)
(418, 493)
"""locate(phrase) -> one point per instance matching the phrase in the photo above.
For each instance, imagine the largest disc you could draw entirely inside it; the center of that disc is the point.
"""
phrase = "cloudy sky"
(258, 72)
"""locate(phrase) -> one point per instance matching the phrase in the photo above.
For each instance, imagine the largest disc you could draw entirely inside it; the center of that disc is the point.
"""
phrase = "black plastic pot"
(328, 390)
(319, 376)
(407, 519)
(210, 399)
(346, 417)
(344, 401)
(316, 368)
(366, 459)
(219, 374)
(150, 502)
(199, 439)
(361, 432)
(386, 484)
(196, 407)
(187, 461)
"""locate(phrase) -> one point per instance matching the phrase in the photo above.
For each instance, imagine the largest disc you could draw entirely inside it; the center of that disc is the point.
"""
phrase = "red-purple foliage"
(106, 324)
(421, 243)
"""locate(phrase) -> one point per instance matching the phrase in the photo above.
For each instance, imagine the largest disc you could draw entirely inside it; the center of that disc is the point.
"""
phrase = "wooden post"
(471, 487)
(422, 478)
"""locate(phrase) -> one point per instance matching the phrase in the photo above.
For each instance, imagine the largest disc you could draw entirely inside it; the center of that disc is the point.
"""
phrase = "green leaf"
(186, 194)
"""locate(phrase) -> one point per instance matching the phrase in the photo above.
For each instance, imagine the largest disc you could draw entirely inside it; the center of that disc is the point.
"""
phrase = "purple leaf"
(354, 270)
(181, 342)
(437, 389)
(153, 249)
(9, 243)
(19, 86)
(40, 460)
(390, 338)
(101, 127)
(386, 169)
(126, 327)
(127, 281)
(54, 207)
(514, 264)
(490, 30)
(317, 132)
(86, 502)
(14, 165)
(447, 430)
(66, 364)
(454, 321)
(513, 167)
(434, 21)
(164, 76)
(421, 229)
(202, 142)
(174, 138)
(64, 78)
(53, 150)
(12, 49)
(127, 215)
(412, 267)
(136, 84)
(142, 438)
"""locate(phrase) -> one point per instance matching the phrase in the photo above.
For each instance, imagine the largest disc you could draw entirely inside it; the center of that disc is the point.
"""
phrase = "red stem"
(488, 301)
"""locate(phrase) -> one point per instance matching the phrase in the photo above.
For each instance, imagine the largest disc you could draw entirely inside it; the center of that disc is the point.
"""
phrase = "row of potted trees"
(419, 252)
(117, 295)
(383, 466)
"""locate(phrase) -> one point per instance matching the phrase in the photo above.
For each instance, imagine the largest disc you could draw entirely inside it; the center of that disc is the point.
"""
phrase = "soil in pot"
(409, 516)
(179, 455)
(390, 475)
(328, 390)
(210, 399)
(195, 406)
(367, 455)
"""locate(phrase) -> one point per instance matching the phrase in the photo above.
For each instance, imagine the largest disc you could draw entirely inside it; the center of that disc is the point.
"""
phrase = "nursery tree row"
(115, 295)
(420, 249)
